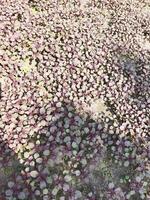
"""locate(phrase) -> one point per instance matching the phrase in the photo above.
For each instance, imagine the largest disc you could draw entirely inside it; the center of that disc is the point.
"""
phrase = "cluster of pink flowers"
(56, 59)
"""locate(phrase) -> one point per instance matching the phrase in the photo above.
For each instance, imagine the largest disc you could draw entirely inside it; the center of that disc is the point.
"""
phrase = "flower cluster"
(74, 118)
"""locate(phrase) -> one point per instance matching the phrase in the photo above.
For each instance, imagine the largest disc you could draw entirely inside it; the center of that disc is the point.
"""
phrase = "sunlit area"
(74, 100)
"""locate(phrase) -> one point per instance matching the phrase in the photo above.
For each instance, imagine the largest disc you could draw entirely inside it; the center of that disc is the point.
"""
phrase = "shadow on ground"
(67, 145)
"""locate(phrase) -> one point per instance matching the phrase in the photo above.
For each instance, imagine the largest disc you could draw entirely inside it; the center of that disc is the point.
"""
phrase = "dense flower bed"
(74, 100)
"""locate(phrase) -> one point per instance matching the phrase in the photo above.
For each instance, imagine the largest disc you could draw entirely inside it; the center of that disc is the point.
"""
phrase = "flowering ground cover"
(74, 100)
